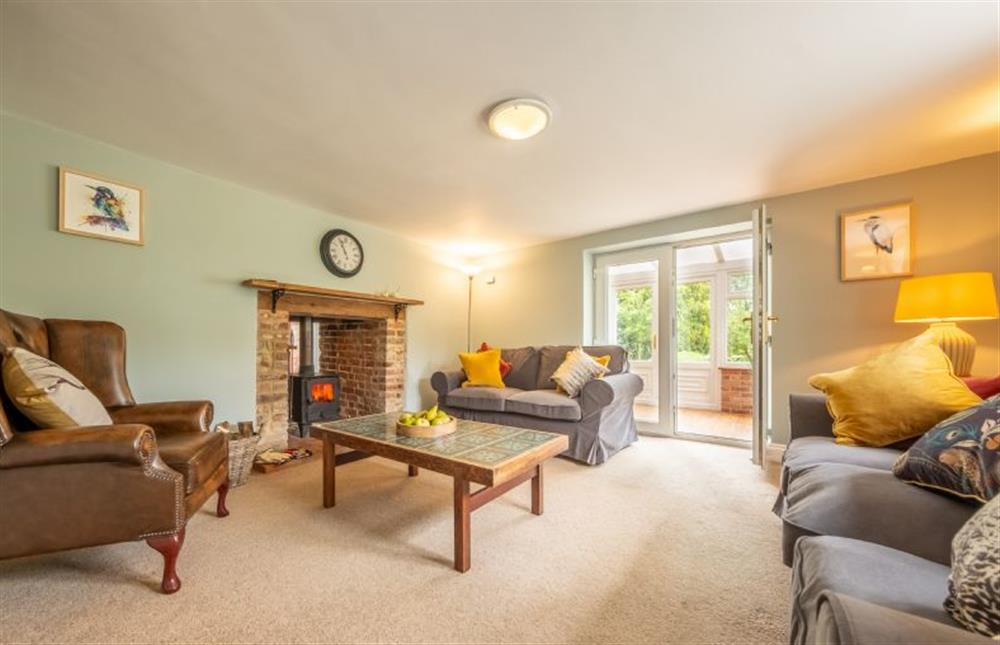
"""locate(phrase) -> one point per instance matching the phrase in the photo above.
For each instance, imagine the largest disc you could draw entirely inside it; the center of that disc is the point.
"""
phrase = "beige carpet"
(669, 542)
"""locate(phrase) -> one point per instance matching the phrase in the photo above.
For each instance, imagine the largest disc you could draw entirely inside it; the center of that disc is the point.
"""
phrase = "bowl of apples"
(426, 423)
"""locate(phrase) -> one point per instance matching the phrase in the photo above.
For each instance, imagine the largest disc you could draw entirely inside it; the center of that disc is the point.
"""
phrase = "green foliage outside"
(694, 338)
(739, 349)
(635, 322)
(694, 331)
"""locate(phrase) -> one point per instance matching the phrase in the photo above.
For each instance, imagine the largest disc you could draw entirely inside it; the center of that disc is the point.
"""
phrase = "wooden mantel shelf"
(279, 289)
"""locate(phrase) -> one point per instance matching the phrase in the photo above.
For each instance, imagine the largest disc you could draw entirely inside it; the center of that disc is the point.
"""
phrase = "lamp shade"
(947, 297)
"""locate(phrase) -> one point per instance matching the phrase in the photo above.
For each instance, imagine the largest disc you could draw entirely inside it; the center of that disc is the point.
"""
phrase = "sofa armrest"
(614, 388)
(808, 416)
(845, 620)
(168, 416)
(444, 382)
(128, 443)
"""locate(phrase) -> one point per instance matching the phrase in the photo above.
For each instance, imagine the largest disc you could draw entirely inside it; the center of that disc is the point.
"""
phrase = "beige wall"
(825, 324)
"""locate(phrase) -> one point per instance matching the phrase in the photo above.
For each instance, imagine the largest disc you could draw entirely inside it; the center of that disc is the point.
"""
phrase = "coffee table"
(498, 457)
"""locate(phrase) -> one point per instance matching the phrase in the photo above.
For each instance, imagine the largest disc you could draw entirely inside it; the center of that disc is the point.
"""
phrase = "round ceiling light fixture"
(518, 119)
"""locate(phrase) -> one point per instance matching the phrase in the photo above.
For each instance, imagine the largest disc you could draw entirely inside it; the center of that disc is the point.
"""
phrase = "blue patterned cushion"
(960, 455)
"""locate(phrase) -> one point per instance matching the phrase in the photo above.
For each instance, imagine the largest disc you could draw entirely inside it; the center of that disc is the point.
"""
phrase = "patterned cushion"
(576, 371)
(974, 584)
(960, 455)
(49, 395)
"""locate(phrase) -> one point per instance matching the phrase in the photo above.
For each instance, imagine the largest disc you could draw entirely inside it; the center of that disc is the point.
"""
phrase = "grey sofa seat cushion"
(552, 356)
(873, 505)
(809, 451)
(867, 571)
(524, 367)
(547, 404)
(491, 399)
(843, 620)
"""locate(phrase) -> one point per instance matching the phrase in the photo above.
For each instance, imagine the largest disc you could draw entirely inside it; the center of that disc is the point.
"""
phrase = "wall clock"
(341, 253)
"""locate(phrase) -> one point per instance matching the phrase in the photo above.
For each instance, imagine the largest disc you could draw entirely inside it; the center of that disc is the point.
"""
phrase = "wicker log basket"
(242, 450)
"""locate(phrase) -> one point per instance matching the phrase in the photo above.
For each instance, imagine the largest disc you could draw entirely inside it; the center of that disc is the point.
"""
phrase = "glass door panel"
(628, 285)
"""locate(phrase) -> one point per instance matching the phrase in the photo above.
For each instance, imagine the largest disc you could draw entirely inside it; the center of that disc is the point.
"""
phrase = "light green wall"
(191, 326)
(825, 324)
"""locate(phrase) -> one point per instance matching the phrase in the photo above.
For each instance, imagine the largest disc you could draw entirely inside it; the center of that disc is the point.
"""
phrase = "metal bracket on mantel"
(276, 295)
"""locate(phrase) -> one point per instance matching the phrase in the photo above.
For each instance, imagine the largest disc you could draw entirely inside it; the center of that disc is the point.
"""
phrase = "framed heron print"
(96, 206)
(876, 243)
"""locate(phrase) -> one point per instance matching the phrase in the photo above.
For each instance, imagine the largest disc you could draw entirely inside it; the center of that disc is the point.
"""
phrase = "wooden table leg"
(537, 503)
(329, 472)
(412, 471)
(463, 512)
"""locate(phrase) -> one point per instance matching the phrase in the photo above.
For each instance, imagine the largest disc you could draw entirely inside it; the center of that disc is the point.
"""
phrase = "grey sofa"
(870, 554)
(599, 422)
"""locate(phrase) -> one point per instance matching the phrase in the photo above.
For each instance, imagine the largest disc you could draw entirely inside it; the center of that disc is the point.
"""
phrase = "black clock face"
(342, 253)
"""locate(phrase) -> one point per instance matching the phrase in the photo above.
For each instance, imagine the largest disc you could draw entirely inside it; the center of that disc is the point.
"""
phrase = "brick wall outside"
(737, 389)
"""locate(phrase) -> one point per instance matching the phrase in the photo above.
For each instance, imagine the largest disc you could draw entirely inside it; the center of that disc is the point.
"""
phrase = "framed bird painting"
(96, 206)
(876, 243)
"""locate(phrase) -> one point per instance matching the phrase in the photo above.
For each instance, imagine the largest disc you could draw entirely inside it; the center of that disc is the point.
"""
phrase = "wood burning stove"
(313, 397)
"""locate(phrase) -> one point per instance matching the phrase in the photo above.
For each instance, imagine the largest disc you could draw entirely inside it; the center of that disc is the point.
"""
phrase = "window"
(635, 321)
(694, 326)
(738, 306)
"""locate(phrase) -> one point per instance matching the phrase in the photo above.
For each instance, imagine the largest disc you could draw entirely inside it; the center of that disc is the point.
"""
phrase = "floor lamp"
(470, 270)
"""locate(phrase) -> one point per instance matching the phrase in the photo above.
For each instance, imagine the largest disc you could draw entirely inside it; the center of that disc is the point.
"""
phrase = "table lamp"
(944, 299)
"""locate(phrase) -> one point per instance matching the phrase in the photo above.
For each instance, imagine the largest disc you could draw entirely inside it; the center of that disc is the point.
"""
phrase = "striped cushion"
(577, 370)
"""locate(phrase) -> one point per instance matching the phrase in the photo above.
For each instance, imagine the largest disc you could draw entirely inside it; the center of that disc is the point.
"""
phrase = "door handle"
(654, 342)
(770, 319)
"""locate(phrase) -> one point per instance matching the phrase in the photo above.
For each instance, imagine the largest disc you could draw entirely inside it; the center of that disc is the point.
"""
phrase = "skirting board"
(774, 453)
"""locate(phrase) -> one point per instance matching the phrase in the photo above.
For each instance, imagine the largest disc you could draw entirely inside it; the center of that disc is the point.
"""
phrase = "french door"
(685, 326)
(762, 322)
(627, 306)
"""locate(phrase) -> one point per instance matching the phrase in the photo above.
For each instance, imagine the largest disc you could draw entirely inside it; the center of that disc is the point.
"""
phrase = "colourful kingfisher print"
(109, 209)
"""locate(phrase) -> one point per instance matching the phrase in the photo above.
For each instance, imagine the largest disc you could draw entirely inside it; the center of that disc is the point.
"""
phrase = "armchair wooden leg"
(220, 508)
(169, 546)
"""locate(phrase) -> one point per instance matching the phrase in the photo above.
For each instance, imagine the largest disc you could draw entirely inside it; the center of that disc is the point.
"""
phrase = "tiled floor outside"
(706, 423)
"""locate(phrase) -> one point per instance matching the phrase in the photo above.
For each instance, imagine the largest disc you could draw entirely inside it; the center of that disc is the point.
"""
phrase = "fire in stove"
(321, 392)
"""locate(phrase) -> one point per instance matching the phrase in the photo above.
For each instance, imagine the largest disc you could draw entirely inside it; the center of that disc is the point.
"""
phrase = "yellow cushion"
(481, 368)
(898, 395)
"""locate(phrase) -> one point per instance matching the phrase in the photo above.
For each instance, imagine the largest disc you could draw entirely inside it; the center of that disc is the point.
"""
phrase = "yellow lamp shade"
(947, 297)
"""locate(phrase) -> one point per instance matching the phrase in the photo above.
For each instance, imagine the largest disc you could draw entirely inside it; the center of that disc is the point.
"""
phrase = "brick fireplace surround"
(362, 340)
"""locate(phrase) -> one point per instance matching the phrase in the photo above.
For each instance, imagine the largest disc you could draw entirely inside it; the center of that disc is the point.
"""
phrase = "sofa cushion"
(482, 368)
(867, 571)
(552, 356)
(195, 455)
(974, 584)
(48, 394)
(577, 370)
(809, 451)
(490, 399)
(959, 456)
(873, 505)
(897, 395)
(547, 404)
(523, 367)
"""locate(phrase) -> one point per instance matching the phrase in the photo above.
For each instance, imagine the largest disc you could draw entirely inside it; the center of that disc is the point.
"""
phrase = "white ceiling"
(376, 110)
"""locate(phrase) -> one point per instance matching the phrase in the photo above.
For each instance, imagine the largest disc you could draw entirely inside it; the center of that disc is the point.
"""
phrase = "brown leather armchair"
(139, 479)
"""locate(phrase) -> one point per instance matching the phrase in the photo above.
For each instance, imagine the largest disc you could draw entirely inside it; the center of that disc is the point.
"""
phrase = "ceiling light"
(518, 119)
